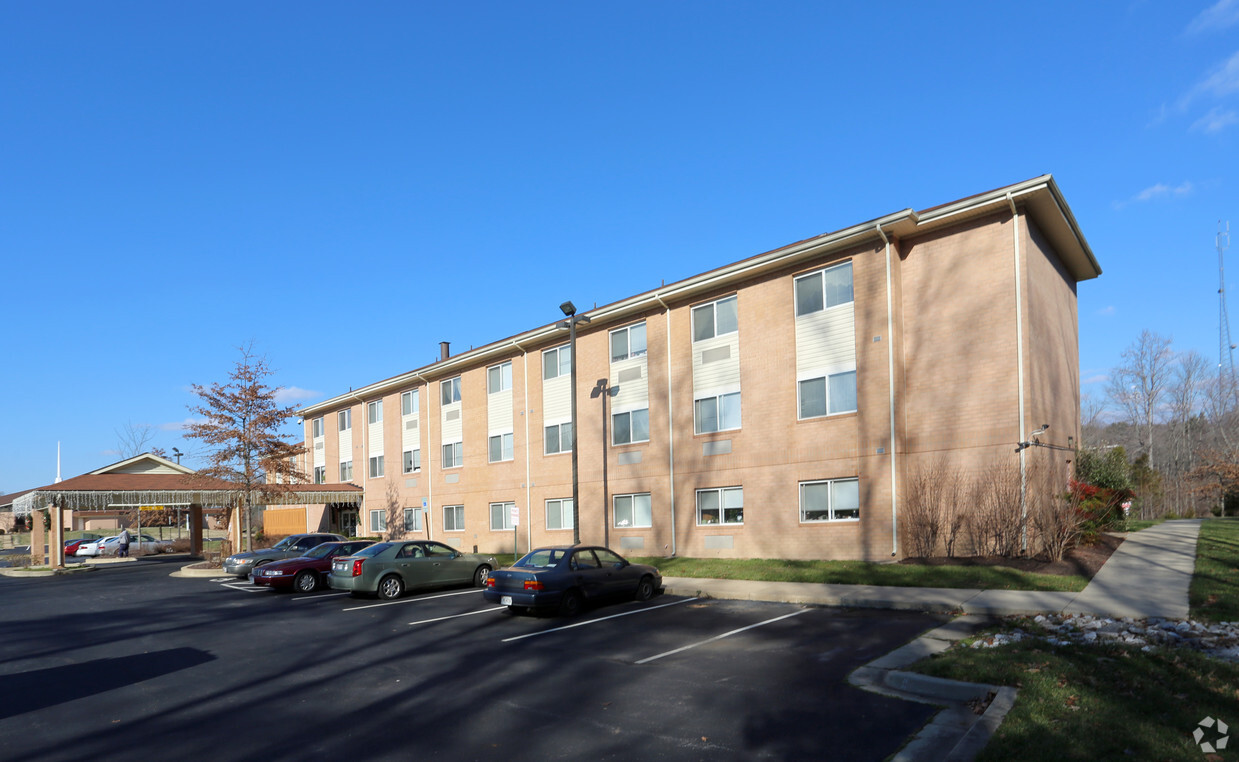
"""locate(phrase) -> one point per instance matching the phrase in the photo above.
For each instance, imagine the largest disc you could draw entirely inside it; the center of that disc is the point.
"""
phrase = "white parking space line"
(457, 616)
(720, 637)
(411, 600)
(594, 621)
(318, 597)
(246, 587)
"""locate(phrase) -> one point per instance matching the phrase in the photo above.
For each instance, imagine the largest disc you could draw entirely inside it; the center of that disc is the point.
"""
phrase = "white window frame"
(504, 374)
(632, 501)
(376, 467)
(346, 471)
(564, 448)
(320, 474)
(374, 412)
(718, 400)
(416, 524)
(563, 507)
(713, 306)
(615, 429)
(316, 428)
(825, 379)
(821, 276)
(410, 403)
(508, 526)
(458, 518)
(344, 420)
(378, 520)
(411, 461)
(723, 493)
(449, 391)
(458, 455)
(506, 448)
(627, 331)
(830, 507)
(563, 365)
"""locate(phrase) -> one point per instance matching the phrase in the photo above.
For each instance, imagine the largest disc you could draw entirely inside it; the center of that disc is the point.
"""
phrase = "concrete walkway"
(1148, 576)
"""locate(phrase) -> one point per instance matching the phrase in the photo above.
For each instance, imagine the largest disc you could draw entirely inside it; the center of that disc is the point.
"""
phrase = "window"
(633, 511)
(378, 520)
(453, 454)
(316, 426)
(628, 342)
(449, 391)
(500, 448)
(412, 461)
(453, 518)
(374, 412)
(824, 289)
(499, 378)
(827, 395)
(558, 438)
(556, 362)
(501, 516)
(320, 474)
(344, 419)
(830, 500)
(715, 319)
(346, 470)
(412, 520)
(721, 413)
(410, 402)
(720, 506)
(376, 466)
(630, 427)
(559, 514)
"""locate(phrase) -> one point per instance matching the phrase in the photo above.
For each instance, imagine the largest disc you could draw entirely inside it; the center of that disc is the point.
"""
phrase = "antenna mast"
(1226, 350)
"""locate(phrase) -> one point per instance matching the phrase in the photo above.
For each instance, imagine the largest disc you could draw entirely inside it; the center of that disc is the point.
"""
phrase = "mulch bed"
(1084, 561)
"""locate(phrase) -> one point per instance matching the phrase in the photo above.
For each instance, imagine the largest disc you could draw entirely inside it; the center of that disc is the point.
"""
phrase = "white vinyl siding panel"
(320, 452)
(716, 365)
(451, 420)
(374, 437)
(346, 445)
(631, 379)
(499, 413)
(410, 432)
(556, 400)
(826, 341)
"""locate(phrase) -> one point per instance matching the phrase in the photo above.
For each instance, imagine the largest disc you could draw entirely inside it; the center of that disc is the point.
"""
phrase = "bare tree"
(1139, 384)
(132, 438)
(241, 433)
(1091, 410)
(1185, 399)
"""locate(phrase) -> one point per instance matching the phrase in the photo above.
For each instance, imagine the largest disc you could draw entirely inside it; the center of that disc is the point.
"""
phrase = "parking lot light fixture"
(569, 310)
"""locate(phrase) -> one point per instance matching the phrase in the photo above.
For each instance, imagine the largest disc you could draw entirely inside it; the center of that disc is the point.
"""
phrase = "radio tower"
(1226, 350)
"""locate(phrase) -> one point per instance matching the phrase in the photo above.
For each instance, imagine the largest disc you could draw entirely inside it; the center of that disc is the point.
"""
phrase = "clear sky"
(348, 184)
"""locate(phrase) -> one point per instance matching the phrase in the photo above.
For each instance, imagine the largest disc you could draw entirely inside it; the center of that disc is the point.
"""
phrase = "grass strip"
(1214, 594)
(864, 573)
(1097, 702)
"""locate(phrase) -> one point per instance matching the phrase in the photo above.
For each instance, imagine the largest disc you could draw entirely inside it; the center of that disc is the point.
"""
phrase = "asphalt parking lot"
(127, 662)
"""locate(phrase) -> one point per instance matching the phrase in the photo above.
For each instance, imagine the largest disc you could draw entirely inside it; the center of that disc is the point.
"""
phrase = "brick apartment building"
(773, 407)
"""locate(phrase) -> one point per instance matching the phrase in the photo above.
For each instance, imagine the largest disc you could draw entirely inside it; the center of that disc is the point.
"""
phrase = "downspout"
(365, 457)
(528, 487)
(890, 392)
(430, 482)
(1019, 354)
(670, 424)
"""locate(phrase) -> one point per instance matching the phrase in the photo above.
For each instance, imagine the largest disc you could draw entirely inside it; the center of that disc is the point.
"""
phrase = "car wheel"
(645, 589)
(306, 581)
(479, 576)
(390, 587)
(570, 604)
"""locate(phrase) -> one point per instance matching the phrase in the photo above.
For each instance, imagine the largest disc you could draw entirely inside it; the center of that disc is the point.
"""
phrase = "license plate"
(505, 600)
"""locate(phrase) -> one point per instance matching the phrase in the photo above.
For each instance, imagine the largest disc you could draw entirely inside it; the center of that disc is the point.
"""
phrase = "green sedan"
(388, 569)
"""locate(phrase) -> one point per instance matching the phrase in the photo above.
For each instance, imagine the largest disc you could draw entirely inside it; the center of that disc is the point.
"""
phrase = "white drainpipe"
(670, 424)
(1019, 354)
(890, 374)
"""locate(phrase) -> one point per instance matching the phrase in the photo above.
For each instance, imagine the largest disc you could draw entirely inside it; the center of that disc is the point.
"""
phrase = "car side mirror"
(619, 564)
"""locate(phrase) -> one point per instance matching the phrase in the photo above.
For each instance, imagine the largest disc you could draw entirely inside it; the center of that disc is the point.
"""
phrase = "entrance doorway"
(348, 522)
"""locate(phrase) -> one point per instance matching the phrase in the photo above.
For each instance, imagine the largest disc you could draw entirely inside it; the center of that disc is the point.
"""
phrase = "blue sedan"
(564, 577)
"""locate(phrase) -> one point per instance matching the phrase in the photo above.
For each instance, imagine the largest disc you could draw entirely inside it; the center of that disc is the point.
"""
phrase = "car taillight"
(357, 568)
(533, 584)
(490, 582)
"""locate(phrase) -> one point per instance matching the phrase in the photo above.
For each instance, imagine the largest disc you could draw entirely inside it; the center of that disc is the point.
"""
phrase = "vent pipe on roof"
(444, 350)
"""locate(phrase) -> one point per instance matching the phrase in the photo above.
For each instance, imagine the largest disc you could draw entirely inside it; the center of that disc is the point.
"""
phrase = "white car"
(93, 547)
(109, 546)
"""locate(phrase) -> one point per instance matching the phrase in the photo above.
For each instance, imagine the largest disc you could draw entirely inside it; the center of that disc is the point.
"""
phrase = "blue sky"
(346, 185)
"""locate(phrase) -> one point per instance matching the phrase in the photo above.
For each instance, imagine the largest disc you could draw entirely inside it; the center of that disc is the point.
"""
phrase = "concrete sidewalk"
(1148, 576)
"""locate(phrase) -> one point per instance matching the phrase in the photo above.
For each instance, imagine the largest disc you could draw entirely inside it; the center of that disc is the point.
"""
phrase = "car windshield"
(542, 558)
(319, 551)
(373, 550)
(283, 544)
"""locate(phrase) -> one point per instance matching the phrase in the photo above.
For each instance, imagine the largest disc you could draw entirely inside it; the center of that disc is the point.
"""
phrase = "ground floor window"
(412, 520)
(453, 518)
(720, 506)
(559, 513)
(378, 521)
(830, 500)
(633, 511)
(501, 516)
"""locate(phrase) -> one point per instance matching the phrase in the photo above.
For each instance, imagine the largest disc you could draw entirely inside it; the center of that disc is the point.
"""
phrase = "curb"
(193, 570)
(19, 572)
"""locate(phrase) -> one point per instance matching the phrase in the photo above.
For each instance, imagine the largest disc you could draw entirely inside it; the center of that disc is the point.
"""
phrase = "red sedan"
(305, 573)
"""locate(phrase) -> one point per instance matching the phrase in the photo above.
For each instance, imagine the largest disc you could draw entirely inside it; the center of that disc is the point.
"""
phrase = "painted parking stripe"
(318, 597)
(720, 637)
(411, 600)
(457, 616)
(247, 587)
(593, 621)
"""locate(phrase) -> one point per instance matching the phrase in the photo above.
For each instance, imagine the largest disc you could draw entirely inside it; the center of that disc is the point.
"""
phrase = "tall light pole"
(569, 310)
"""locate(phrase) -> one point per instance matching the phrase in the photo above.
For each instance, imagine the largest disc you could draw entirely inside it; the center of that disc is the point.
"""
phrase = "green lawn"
(864, 573)
(1214, 595)
(1097, 702)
